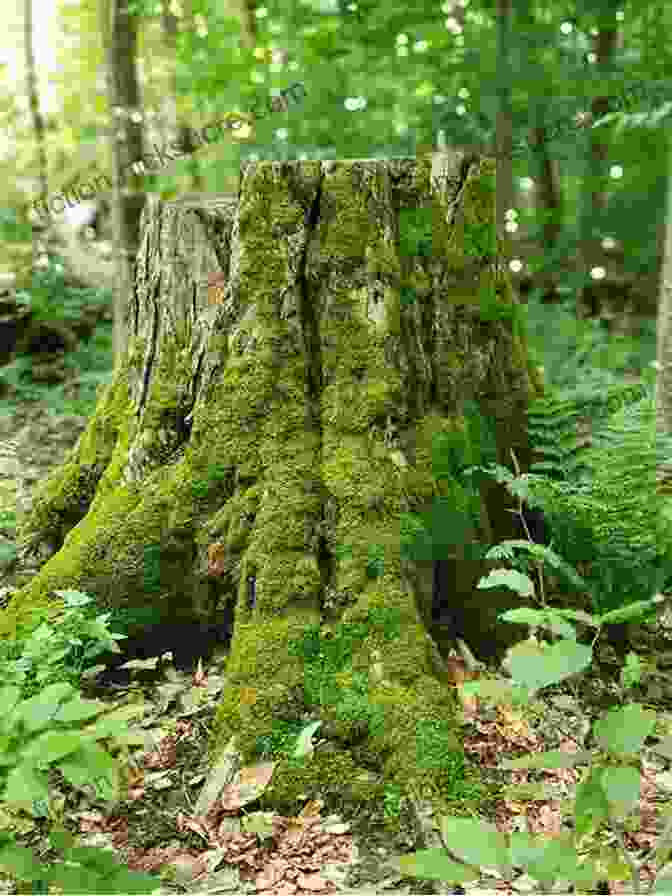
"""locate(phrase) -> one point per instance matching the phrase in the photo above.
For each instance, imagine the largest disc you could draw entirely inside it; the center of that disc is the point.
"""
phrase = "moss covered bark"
(260, 444)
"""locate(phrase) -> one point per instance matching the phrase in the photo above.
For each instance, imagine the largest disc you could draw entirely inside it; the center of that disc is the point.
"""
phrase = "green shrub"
(50, 298)
(54, 728)
(601, 503)
(582, 350)
(46, 731)
(610, 787)
(59, 651)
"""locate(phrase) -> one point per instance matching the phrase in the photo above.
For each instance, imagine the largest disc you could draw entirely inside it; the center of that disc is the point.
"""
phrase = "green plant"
(50, 298)
(8, 552)
(392, 800)
(582, 350)
(325, 654)
(601, 503)
(44, 732)
(41, 728)
(61, 650)
(435, 749)
(610, 788)
(8, 520)
(282, 740)
(216, 473)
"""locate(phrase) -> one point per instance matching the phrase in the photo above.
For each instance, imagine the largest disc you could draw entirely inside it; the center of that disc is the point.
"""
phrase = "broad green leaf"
(25, 785)
(77, 879)
(621, 786)
(77, 709)
(624, 730)
(591, 807)
(61, 840)
(557, 859)
(585, 875)
(114, 720)
(75, 598)
(8, 552)
(548, 619)
(631, 673)
(39, 711)
(8, 750)
(524, 616)
(537, 667)
(580, 616)
(549, 759)
(498, 690)
(632, 611)
(91, 765)
(524, 848)
(21, 862)
(559, 626)
(435, 864)
(304, 743)
(475, 842)
(9, 697)
(539, 553)
(50, 746)
(508, 578)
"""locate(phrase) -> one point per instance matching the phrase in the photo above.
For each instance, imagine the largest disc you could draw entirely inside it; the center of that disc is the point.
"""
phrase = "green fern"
(552, 424)
(552, 432)
(602, 503)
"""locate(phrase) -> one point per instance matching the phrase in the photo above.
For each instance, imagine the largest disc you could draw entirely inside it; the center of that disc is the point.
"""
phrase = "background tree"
(664, 346)
(176, 129)
(35, 114)
(128, 199)
(606, 40)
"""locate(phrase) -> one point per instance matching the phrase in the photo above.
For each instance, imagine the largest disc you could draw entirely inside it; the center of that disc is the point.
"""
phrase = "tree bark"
(119, 30)
(248, 23)
(294, 354)
(176, 129)
(504, 124)
(664, 342)
(35, 113)
(595, 195)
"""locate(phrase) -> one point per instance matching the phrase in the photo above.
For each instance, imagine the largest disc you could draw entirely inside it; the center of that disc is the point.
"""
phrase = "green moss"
(330, 775)
(279, 494)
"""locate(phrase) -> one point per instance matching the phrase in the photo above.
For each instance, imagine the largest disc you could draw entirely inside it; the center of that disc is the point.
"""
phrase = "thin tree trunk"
(248, 23)
(548, 198)
(664, 336)
(181, 132)
(35, 114)
(594, 192)
(547, 191)
(127, 198)
(504, 125)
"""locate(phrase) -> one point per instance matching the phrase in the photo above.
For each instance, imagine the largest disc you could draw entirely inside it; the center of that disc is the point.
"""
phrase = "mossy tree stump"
(293, 353)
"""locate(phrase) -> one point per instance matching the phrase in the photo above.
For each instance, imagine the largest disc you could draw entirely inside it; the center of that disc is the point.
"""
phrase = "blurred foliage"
(51, 299)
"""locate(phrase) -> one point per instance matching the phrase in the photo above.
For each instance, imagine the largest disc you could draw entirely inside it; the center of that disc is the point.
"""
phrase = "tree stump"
(267, 440)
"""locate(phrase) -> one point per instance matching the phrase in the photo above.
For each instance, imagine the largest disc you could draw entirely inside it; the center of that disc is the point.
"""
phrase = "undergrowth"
(51, 299)
(601, 500)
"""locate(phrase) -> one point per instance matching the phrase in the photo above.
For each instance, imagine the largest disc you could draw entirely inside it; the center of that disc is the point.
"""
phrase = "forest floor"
(155, 826)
